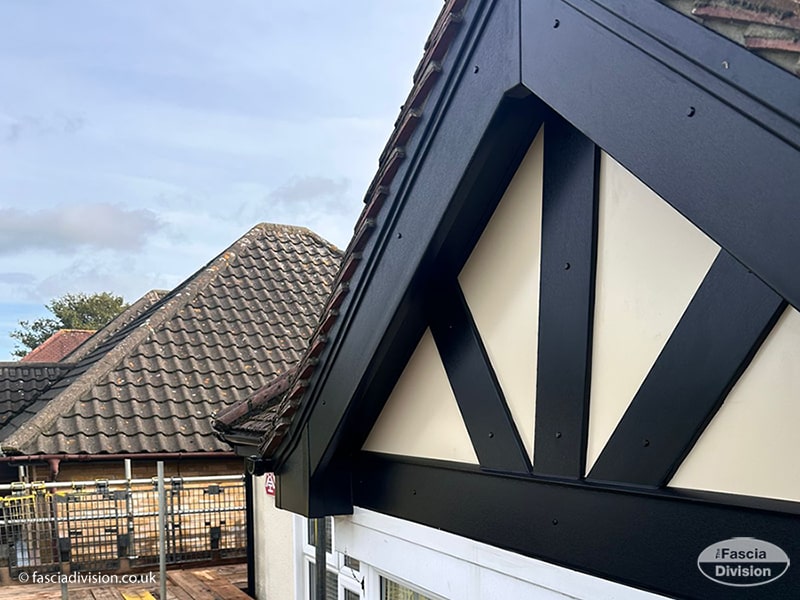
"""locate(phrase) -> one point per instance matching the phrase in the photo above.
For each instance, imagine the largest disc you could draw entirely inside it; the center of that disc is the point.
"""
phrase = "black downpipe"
(320, 558)
(250, 529)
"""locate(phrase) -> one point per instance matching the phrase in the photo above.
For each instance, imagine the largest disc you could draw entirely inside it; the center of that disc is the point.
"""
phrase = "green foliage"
(71, 311)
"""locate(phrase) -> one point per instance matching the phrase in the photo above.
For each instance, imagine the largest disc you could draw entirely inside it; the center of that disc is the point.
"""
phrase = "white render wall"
(274, 546)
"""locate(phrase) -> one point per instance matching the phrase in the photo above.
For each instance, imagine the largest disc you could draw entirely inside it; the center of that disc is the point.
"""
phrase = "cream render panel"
(650, 262)
(421, 416)
(751, 445)
(274, 545)
(500, 281)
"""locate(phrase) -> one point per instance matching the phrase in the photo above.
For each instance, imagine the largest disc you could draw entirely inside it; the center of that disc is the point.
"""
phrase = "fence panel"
(29, 535)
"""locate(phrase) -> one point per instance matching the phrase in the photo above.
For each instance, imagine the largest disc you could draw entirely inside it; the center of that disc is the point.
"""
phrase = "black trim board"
(396, 293)
(480, 400)
(725, 161)
(446, 197)
(723, 327)
(646, 540)
(566, 300)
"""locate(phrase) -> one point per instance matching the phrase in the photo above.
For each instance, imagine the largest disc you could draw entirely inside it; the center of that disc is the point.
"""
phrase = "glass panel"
(351, 562)
(312, 535)
(351, 595)
(331, 586)
(391, 590)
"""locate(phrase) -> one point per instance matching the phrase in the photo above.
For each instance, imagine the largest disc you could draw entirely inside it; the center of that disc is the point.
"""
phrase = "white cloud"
(67, 229)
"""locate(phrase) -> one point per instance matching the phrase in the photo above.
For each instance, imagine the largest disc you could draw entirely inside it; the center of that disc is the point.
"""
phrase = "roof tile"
(233, 327)
(771, 28)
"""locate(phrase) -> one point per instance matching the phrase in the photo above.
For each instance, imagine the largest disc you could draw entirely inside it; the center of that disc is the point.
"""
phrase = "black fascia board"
(454, 62)
(724, 159)
(648, 540)
(414, 225)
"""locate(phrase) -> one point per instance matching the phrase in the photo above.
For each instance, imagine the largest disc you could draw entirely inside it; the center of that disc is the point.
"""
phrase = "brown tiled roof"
(21, 384)
(770, 28)
(270, 411)
(58, 345)
(153, 385)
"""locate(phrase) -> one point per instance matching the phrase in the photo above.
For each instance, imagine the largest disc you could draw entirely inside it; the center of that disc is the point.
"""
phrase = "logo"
(743, 562)
(269, 484)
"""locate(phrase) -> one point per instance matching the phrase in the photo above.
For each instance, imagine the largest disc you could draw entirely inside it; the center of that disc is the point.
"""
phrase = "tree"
(71, 311)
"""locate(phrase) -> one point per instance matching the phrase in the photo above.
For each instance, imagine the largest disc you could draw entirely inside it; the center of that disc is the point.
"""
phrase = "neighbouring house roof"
(19, 383)
(30, 380)
(58, 345)
(234, 326)
(269, 412)
(770, 28)
(116, 324)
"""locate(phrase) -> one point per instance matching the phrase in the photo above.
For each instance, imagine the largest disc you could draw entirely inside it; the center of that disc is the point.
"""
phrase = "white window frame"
(334, 563)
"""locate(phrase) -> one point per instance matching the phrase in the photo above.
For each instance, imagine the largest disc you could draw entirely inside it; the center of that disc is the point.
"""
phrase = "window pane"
(351, 595)
(331, 586)
(391, 590)
(351, 562)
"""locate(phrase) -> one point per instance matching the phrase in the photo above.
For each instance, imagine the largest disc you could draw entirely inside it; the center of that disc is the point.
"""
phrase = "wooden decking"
(207, 583)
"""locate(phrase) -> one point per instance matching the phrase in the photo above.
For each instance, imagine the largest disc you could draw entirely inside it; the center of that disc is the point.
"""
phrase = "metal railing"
(113, 525)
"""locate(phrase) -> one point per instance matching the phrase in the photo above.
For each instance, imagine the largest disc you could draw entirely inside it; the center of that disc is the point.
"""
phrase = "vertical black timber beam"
(724, 325)
(566, 300)
(480, 399)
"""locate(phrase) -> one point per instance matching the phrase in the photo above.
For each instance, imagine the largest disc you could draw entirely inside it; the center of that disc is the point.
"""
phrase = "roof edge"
(160, 312)
(450, 32)
(262, 398)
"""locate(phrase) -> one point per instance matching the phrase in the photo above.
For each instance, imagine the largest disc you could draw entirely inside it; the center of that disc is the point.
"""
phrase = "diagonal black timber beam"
(486, 415)
(566, 300)
(724, 325)
(650, 87)
(640, 538)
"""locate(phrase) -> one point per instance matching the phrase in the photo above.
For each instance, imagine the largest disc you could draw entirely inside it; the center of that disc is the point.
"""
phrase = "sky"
(138, 140)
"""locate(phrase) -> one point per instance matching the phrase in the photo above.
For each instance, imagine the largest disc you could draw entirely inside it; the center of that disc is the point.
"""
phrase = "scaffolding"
(113, 525)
